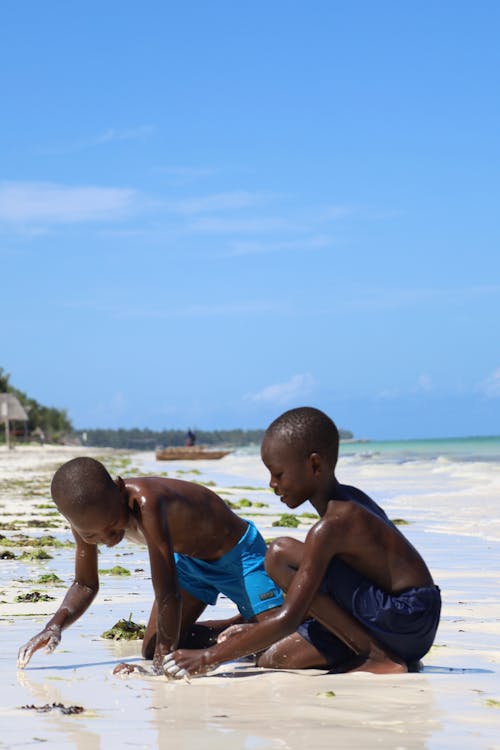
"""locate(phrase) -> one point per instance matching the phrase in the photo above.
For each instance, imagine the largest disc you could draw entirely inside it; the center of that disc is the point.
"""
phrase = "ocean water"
(443, 486)
(484, 449)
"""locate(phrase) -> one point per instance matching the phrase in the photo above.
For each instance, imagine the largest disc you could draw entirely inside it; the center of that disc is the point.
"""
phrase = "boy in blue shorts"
(197, 548)
(359, 595)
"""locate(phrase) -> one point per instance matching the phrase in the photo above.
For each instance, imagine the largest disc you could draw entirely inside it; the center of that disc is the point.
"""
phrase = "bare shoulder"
(342, 511)
(350, 521)
(155, 494)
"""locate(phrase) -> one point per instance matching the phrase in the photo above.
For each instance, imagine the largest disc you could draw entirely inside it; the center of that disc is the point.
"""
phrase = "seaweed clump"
(34, 596)
(117, 570)
(287, 520)
(69, 710)
(125, 630)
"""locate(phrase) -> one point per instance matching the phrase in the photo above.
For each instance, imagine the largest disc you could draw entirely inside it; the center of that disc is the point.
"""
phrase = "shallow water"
(450, 507)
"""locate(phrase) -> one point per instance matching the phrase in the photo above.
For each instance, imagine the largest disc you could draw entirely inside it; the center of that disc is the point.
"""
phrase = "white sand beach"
(452, 516)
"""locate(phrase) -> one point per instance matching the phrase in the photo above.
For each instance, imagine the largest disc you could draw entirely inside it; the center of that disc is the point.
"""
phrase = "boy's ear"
(316, 463)
(121, 485)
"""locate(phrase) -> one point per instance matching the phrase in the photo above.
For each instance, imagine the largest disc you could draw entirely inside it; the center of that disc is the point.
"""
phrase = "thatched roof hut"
(11, 410)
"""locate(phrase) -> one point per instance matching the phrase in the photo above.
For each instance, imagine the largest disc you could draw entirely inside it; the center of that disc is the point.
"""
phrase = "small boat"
(188, 453)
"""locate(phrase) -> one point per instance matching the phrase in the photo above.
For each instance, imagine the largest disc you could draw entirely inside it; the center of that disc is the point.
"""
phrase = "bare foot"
(385, 665)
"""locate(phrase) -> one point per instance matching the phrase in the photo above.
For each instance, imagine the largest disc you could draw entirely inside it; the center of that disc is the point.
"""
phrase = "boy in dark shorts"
(369, 596)
(197, 548)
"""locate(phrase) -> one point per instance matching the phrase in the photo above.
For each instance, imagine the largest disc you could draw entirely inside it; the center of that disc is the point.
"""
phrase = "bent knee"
(283, 558)
(277, 554)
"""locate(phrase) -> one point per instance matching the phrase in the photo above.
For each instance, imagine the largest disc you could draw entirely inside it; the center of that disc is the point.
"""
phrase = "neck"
(324, 494)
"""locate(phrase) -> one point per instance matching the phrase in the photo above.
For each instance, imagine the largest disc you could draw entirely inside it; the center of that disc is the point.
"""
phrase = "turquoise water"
(398, 451)
(454, 449)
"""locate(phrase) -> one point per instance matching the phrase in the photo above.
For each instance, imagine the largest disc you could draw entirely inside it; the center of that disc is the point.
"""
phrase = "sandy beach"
(451, 515)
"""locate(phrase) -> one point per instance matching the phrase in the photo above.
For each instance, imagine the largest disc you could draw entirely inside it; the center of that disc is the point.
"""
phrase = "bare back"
(194, 520)
(367, 541)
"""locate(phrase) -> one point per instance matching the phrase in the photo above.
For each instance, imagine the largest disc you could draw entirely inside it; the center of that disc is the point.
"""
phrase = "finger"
(24, 657)
(173, 669)
(51, 645)
(168, 663)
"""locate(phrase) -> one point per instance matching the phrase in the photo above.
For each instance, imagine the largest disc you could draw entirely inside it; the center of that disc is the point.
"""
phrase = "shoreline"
(455, 701)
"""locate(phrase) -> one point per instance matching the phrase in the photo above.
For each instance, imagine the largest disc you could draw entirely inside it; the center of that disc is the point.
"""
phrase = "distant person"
(197, 547)
(190, 438)
(370, 597)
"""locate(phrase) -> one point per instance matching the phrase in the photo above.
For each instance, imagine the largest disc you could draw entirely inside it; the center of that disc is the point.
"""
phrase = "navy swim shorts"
(405, 623)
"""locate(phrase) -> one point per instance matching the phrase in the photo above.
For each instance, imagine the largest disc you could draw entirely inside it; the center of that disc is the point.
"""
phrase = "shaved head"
(307, 430)
(81, 484)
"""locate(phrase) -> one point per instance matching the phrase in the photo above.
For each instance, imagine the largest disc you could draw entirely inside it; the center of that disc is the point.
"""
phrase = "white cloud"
(424, 385)
(49, 203)
(490, 386)
(297, 387)
(122, 134)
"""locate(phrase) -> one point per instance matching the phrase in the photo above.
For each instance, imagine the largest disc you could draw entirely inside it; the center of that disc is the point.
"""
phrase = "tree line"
(52, 423)
(57, 427)
(146, 439)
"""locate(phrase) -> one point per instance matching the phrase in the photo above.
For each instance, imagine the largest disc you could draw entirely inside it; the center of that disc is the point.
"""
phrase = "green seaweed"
(39, 523)
(491, 703)
(287, 520)
(400, 522)
(326, 694)
(117, 570)
(238, 504)
(67, 710)
(125, 630)
(36, 554)
(49, 578)
(23, 540)
(34, 596)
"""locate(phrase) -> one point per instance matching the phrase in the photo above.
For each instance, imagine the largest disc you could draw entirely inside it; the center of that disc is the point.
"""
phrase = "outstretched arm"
(78, 598)
(164, 576)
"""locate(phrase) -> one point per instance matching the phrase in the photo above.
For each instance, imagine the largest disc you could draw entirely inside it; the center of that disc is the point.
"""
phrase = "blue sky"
(211, 212)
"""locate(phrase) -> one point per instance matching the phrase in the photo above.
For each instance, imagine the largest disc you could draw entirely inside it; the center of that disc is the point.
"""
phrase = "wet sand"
(454, 702)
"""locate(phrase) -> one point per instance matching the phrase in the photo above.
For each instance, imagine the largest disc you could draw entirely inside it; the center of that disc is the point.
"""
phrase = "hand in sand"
(233, 630)
(50, 637)
(184, 663)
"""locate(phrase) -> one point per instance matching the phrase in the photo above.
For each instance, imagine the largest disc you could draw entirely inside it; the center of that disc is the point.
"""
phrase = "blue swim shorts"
(405, 623)
(239, 575)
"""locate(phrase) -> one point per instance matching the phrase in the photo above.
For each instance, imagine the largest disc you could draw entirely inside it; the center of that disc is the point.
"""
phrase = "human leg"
(191, 610)
(282, 561)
